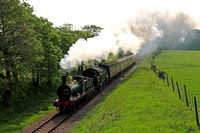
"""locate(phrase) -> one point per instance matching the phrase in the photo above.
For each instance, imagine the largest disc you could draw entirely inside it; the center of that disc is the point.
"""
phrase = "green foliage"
(28, 105)
(17, 42)
(69, 35)
(141, 103)
(17, 39)
(111, 58)
(30, 52)
(26, 97)
(52, 53)
(183, 66)
(31, 48)
(161, 75)
(92, 29)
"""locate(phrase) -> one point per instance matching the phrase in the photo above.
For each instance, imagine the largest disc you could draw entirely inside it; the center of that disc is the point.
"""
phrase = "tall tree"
(18, 44)
(52, 54)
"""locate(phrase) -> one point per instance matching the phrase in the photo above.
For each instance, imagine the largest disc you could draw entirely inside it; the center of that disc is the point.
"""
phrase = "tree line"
(182, 40)
(31, 48)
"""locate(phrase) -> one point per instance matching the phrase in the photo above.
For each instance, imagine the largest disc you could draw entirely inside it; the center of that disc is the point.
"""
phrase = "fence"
(185, 94)
(182, 91)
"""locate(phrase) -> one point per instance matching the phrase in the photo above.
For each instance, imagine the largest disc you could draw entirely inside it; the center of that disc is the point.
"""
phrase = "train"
(75, 90)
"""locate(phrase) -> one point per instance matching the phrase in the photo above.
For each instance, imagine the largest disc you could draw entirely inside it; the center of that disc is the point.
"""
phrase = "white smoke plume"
(183, 35)
(144, 29)
(96, 48)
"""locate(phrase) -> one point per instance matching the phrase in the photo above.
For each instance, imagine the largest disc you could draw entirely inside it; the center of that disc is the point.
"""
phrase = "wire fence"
(182, 91)
(185, 94)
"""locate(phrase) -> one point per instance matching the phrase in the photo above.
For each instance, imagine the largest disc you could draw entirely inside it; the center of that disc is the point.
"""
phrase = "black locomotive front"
(70, 93)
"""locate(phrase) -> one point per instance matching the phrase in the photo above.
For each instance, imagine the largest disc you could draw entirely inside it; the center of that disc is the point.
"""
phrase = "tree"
(68, 36)
(92, 29)
(52, 54)
(67, 27)
(18, 44)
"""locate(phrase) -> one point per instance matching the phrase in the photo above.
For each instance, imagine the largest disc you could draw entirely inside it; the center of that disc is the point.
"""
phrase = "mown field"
(183, 66)
(141, 103)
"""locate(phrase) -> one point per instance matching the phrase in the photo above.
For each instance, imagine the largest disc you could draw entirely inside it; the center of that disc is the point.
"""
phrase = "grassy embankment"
(141, 103)
(183, 66)
(33, 104)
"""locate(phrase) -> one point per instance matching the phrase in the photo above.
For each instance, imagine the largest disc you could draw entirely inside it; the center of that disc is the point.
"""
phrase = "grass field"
(183, 66)
(141, 103)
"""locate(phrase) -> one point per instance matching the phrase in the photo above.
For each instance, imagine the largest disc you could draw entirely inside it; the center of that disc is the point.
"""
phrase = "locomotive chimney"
(67, 74)
(99, 64)
(64, 80)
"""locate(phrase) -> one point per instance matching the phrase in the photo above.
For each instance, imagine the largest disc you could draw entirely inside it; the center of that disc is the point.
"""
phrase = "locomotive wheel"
(84, 98)
(103, 85)
(61, 108)
(78, 103)
(71, 107)
(81, 102)
(90, 95)
(93, 93)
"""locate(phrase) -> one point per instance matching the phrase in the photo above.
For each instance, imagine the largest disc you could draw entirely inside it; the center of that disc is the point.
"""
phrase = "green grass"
(25, 119)
(141, 103)
(183, 66)
(33, 104)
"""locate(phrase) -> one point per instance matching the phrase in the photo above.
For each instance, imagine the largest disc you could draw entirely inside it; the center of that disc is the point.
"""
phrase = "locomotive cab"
(98, 74)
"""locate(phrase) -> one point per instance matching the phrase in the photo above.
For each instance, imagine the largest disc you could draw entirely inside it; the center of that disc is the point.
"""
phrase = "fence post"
(192, 102)
(178, 90)
(189, 98)
(186, 98)
(197, 116)
(167, 80)
(172, 83)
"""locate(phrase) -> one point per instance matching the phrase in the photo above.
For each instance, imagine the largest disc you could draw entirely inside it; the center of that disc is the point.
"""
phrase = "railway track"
(139, 60)
(54, 122)
(48, 124)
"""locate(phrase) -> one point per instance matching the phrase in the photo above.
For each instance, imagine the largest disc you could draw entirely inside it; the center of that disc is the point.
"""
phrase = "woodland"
(31, 48)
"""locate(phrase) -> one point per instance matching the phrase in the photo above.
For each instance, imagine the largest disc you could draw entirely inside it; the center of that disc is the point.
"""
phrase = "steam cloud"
(140, 33)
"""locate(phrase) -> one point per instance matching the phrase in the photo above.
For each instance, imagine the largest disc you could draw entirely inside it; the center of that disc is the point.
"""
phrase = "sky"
(128, 24)
(106, 12)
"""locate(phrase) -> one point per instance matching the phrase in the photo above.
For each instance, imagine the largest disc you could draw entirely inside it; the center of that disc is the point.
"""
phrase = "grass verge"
(141, 103)
(33, 105)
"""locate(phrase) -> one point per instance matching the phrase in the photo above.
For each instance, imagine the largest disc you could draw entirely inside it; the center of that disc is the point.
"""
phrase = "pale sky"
(106, 12)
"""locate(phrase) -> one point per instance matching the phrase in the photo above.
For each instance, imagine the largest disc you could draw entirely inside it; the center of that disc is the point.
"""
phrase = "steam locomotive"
(75, 90)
